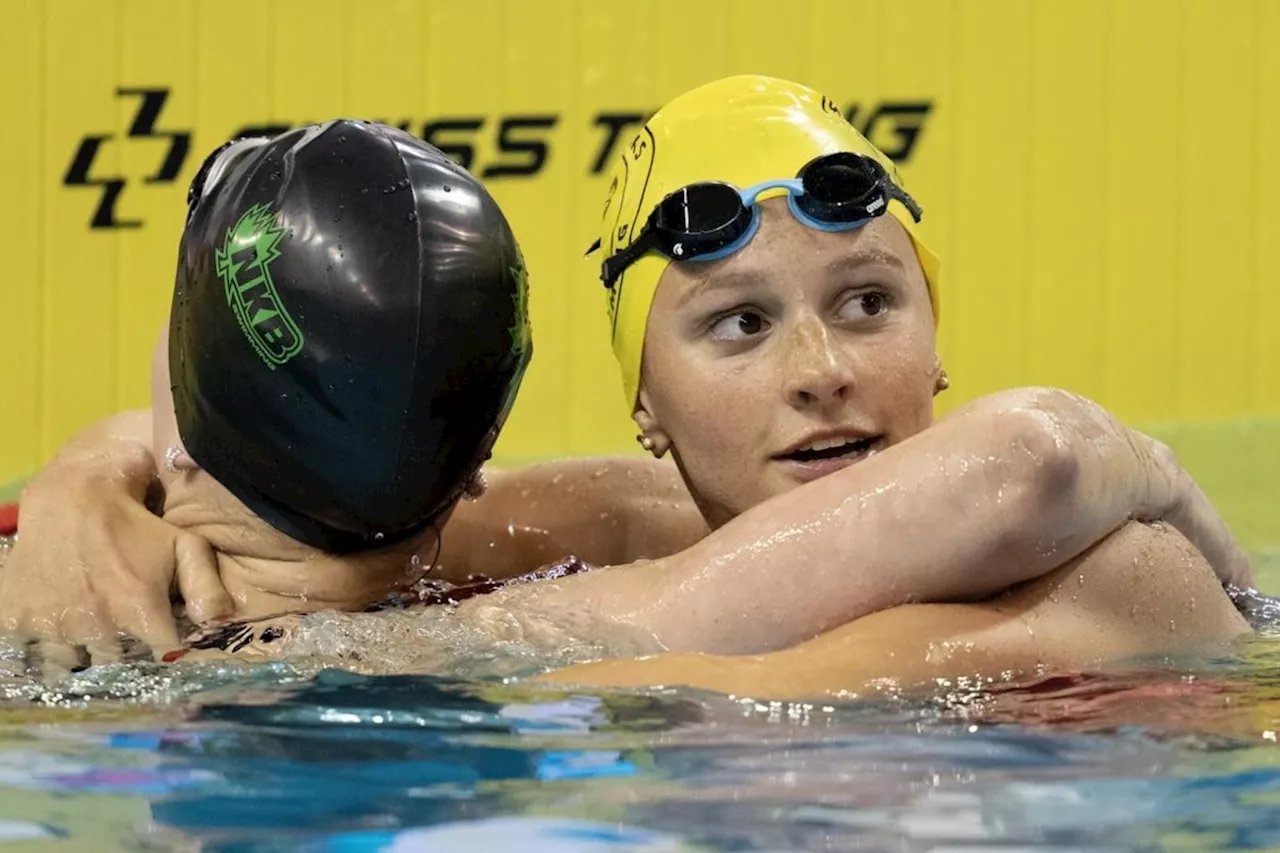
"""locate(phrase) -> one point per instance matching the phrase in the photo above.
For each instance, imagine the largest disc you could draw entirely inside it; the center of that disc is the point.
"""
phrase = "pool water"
(1161, 755)
(1176, 755)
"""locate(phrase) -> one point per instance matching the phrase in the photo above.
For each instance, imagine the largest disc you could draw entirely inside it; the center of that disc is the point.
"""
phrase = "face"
(791, 359)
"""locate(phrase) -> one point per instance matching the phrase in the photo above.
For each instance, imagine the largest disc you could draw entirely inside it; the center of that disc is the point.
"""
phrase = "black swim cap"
(349, 329)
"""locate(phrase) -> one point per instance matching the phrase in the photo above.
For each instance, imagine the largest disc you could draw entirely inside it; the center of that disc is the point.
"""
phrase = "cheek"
(913, 379)
(703, 404)
(685, 390)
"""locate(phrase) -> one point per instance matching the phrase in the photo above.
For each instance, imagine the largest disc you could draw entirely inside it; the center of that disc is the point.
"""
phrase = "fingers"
(199, 581)
(53, 658)
(148, 617)
(83, 628)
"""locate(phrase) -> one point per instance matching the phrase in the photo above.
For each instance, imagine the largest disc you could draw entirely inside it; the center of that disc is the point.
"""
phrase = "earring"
(171, 459)
(944, 381)
(475, 486)
(646, 442)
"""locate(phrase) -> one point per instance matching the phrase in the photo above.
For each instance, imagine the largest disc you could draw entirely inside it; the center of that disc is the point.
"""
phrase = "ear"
(652, 436)
(176, 459)
(475, 487)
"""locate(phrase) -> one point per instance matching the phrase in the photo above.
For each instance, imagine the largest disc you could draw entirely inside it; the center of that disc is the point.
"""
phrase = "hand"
(91, 560)
(1191, 514)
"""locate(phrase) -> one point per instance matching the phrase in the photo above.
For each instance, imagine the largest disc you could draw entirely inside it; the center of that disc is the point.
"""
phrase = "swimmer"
(325, 391)
(800, 306)
(1040, 477)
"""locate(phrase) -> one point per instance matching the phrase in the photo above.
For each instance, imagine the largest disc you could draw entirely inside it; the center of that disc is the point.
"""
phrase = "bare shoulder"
(1144, 589)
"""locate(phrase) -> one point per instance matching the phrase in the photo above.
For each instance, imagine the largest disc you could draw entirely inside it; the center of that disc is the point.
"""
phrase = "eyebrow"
(865, 257)
(743, 279)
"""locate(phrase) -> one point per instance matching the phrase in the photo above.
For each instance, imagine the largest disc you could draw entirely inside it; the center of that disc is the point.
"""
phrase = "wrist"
(122, 467)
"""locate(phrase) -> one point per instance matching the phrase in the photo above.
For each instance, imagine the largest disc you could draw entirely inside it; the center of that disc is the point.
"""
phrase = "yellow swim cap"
(740, 130)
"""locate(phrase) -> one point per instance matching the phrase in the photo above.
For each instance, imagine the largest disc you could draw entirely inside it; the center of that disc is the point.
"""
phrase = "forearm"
(888, 650)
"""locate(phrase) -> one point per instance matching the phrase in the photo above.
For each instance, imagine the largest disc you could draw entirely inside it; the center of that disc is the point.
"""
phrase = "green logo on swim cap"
(244, 265)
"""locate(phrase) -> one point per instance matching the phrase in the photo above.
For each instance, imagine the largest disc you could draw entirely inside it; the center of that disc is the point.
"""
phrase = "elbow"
(1032, 442)
(1040, 467)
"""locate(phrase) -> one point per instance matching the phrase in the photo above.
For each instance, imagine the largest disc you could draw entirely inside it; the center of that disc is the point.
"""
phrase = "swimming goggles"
(711, 219)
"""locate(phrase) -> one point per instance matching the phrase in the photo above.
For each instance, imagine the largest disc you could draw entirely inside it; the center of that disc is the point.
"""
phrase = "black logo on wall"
(519, 145)
(81, 172)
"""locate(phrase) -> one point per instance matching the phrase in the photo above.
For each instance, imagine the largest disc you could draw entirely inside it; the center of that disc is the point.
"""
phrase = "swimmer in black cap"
(347, 335)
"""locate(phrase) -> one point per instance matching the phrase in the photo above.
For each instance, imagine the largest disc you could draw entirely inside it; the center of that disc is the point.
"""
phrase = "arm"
(1116, 601)
(604, 511)
(1005, 490)
(91, 559)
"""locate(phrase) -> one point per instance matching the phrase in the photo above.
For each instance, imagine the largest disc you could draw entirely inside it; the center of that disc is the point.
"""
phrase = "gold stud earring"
(646, 442)
(944, 381)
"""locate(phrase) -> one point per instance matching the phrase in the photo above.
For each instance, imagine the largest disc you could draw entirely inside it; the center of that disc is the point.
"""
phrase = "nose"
(817, 374)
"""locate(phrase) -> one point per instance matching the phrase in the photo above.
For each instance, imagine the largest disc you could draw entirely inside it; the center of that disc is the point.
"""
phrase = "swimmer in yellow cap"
(773, 309)
(816, 352)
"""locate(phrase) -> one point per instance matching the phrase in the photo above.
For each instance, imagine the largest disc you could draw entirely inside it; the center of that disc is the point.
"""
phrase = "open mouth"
(835, 448)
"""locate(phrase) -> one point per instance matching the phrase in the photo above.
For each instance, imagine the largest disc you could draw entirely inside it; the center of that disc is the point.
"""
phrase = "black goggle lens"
(699, 219)
(698, 209)
(842, 187)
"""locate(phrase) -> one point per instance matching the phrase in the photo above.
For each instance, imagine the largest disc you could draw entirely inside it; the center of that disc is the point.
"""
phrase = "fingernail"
(176, 654)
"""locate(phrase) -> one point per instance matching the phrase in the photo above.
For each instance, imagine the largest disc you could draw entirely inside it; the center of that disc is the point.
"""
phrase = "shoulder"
(1143, 589)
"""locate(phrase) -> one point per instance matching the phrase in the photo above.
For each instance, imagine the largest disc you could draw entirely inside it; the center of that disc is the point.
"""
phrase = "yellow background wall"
(1098, 176)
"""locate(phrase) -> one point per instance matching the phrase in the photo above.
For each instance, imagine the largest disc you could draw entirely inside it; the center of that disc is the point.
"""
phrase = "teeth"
(828, 443)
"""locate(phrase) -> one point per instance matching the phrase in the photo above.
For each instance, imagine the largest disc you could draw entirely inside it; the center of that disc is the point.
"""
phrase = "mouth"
(831, 448)
(823, 456)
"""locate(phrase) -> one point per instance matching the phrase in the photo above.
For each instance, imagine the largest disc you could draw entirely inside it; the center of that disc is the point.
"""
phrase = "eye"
(739, 326)
(870, 303)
